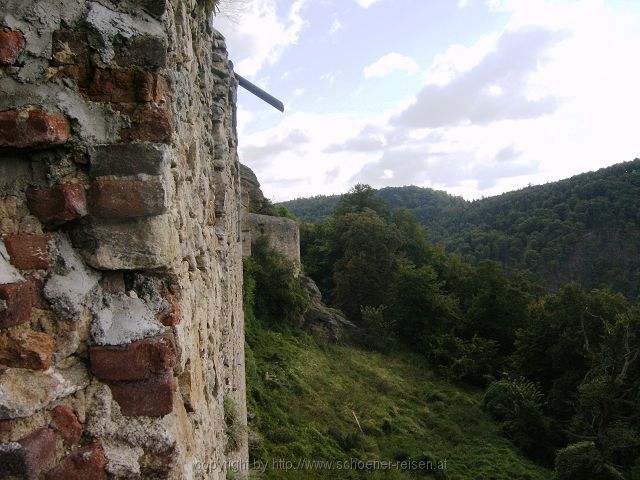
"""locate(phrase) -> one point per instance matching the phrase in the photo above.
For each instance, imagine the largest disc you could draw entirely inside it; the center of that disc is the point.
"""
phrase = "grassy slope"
(303, 393)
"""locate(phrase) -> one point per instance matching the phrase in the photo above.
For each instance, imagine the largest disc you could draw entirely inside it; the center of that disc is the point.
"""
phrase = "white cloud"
(260, 37)
(366, 3)
(389, 63)
(494, 89)
(335, 26)
(552, 94)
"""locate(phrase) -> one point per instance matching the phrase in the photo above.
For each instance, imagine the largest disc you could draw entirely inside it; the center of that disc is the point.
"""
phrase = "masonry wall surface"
(121, 325)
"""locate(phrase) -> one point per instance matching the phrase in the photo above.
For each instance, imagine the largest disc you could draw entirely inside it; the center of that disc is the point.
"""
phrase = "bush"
(272, 293)
(517, 404)
(582, 461)
(234, 429)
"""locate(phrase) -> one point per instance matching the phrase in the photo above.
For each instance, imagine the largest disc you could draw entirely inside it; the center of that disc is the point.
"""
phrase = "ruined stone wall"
(121, 326)
(283, 235)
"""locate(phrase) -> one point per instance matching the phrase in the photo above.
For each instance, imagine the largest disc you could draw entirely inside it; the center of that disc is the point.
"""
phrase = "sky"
(474, 97)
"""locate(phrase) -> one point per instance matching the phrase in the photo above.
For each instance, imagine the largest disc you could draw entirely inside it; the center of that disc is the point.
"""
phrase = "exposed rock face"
(120, 254)
(321, 320)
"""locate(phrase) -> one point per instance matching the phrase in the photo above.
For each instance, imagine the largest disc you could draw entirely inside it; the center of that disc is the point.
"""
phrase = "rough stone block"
(65, 422)
(148, 124)
(57, 204)
(123, 320)
(32, 127)
(11, 45)
(148, 398)
(128, 159)
(29, 251)
(24, 392)
(70, 47)
(144, 51)
(25, 348)
(30, 455)
(16, 300)
(137, 361)
(87, 463)
(128, 244)
(128, 197)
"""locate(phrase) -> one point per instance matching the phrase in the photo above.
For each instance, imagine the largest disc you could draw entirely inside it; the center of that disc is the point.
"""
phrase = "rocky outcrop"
(321, 320)
(121, 323)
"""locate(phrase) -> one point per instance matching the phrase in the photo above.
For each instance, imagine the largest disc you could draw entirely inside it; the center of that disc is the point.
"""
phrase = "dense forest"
(559, 369)
(584, 229)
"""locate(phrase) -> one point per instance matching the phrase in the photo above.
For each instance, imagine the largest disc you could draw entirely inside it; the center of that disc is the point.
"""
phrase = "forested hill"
(585, 228)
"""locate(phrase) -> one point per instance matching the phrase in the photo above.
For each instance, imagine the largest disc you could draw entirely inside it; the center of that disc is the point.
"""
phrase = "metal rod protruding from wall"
(258, 92)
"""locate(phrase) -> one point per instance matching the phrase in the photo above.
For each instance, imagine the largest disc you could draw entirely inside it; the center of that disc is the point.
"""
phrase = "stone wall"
(283, 235)
(121, 325)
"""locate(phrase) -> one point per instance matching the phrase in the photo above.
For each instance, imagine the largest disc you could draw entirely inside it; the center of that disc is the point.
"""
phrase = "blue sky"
(475, 97)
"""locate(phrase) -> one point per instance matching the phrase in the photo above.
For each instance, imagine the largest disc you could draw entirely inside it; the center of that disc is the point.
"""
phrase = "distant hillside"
(585, 228)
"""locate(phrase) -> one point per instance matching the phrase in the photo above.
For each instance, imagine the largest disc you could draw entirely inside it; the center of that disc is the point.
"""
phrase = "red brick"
(69, 47)
(29, 250)
(86, 463)
(150, 398)
(171, 315)
(137, 361)
(127, 198)
(57, 204)
(66, 423)
(11, 45)
(32, 127)
(148, 124)
(25, 348)
(17, 300)
(30, 455)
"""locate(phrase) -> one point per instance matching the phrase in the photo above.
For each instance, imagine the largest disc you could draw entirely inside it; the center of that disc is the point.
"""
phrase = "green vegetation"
(305, 395)
(584, 229)
(555, 373)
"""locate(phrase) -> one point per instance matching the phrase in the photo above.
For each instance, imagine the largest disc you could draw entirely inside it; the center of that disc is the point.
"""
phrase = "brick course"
(128, 198)
(32, 127)
(151, 398)
(29, 251)
(17, 300)
(136, 361)
(57, 204)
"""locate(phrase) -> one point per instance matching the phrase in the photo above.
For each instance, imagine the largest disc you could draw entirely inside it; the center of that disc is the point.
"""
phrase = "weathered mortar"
(121, 324)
